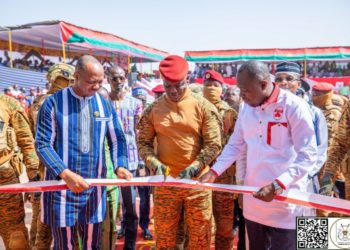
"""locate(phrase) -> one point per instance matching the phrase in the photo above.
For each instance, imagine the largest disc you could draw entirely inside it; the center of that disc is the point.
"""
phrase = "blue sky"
(180, 25)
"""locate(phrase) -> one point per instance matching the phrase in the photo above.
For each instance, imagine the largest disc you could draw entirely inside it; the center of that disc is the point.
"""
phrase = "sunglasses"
(288, 79)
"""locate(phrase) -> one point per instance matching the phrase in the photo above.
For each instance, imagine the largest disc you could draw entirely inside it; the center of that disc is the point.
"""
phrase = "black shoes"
(120, 233)
(147, 235)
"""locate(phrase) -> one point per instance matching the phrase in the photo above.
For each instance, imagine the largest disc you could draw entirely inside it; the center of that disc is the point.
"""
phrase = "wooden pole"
(64, 52)
(10, 48)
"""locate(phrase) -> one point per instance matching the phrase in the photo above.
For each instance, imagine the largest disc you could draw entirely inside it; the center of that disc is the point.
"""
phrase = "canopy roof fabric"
(48, 37)
(272, 55)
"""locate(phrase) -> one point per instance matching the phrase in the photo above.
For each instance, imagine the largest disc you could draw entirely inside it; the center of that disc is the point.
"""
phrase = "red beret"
(158, 89)
(173, 68)
(322, 86)
(214, 76)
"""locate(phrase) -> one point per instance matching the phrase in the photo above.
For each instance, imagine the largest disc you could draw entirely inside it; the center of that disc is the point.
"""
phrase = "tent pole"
(305, 69)
(10, 48)
(42, 49)
(64, 52)
(129, 62)
(141, 64)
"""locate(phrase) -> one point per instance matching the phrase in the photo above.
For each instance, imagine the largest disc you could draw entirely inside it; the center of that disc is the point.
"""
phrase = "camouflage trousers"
(12, 227)
(109, 225)
(324, 213)
(40, 233)
(197, 207)
(347, 186)
(223, 205)
(33, 226)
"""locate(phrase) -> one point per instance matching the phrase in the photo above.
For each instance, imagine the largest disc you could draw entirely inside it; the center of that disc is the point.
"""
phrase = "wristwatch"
(278, 188)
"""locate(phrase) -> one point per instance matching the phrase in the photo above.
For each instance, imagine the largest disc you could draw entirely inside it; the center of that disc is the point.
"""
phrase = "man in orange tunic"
(187, 129)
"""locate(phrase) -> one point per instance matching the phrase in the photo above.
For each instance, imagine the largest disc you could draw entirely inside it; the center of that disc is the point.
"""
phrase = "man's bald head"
(88, 75)
(254, 82)
(87, 63)
(255, 69)
(116, 69)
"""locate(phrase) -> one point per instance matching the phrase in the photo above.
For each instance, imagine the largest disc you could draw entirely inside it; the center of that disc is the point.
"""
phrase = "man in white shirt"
(278, 139)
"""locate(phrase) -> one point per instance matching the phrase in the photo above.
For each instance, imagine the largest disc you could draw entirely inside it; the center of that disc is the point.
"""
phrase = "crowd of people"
(25, 97)
(314, 69)
(272, 134)
(38, 64)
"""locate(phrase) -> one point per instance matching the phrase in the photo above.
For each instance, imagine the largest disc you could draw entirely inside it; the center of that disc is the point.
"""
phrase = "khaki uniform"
(223, 203)
(15, 134)
(40, 234)
(339, 144)
(333, 110)
(187, 133)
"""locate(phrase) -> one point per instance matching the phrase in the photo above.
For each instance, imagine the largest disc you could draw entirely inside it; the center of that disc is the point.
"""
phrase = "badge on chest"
(277, 113)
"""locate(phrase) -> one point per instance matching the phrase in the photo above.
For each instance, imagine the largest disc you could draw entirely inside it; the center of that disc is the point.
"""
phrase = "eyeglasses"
(287, 79)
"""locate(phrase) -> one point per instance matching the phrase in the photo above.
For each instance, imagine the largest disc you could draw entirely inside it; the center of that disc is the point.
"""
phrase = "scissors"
(166, 172)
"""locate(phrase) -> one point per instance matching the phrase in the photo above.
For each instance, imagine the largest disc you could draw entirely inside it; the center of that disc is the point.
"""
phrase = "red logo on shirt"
(277, 113)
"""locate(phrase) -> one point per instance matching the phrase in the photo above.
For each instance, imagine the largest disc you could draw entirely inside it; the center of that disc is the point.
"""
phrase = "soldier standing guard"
(337, 112)
(14, 132)
(223, 203)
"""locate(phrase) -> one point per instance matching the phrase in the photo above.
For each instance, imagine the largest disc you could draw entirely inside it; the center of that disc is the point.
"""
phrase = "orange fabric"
(178, 147)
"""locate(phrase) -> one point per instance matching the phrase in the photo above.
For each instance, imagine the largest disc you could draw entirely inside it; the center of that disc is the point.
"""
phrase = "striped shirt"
(70, 135)
(129, 112)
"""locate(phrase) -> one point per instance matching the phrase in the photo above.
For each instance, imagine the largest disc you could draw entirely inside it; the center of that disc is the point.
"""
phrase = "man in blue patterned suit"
(72, 125)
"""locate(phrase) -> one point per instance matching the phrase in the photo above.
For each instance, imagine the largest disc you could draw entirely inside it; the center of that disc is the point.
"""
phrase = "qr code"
(312, 233)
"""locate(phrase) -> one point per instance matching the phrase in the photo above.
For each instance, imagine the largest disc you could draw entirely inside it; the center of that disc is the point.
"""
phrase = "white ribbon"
(292, 196)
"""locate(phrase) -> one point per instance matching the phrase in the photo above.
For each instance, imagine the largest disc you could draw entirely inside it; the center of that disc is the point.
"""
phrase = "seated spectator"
(23, 91)
(347, 70)
(234, 70)
(228, 68)
(38, 91)
(334, 68)
(339, 71)
(15, 90)
(46, 89)
(22, 99)
(8, 91)
(31, 96)
(314, 70)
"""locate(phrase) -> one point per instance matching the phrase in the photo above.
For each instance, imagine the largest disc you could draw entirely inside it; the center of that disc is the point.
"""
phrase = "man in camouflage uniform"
(223, 203)
(336, 110)
(187, 129)
(232, 97)
(15, 135)
(59, 76)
